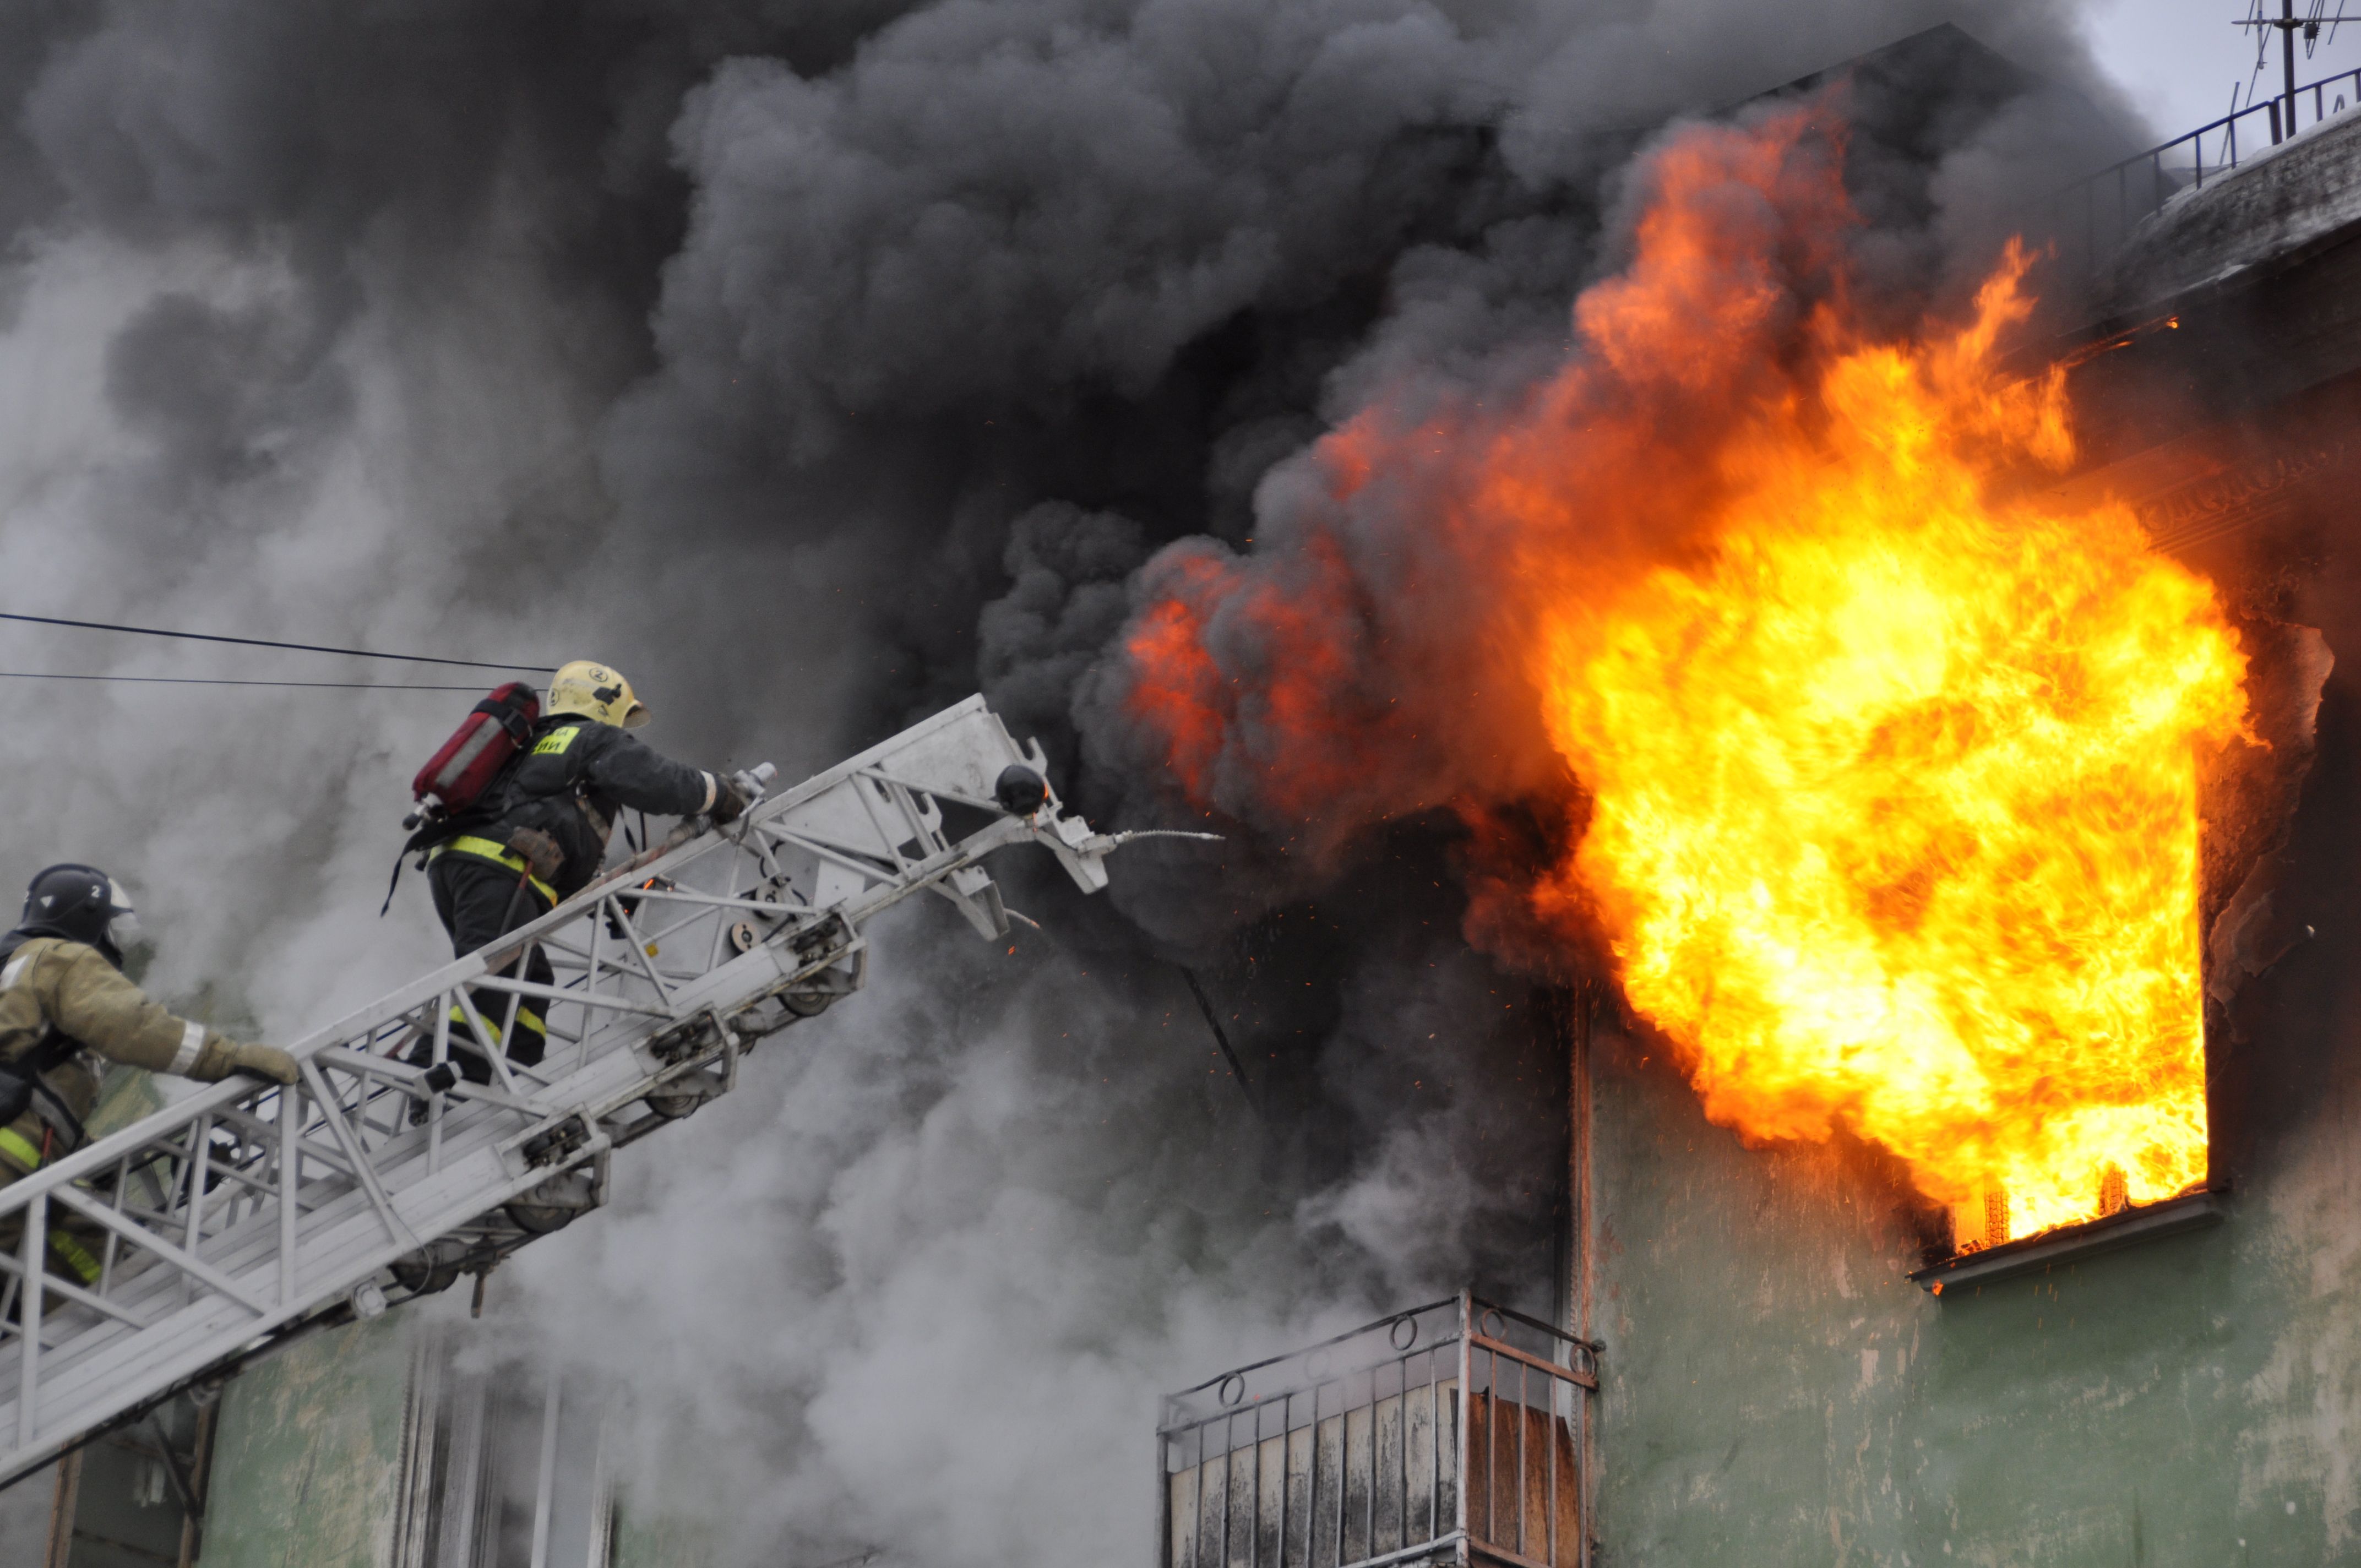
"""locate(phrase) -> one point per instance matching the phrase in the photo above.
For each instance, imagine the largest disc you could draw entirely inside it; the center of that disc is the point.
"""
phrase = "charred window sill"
(2147, 1222)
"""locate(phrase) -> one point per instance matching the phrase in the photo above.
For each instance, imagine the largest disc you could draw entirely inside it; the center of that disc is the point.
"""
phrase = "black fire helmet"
(80, 903)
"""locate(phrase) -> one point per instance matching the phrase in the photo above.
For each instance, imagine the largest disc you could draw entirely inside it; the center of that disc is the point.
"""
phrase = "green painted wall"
(308, 1454)
(645, 1538)
(126, 1094)
(1775, 1392)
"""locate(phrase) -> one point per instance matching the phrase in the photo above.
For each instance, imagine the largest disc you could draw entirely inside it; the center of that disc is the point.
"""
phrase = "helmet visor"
(122, 921)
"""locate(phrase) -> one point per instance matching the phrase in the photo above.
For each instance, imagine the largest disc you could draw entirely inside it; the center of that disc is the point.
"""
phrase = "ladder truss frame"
(326, 1200)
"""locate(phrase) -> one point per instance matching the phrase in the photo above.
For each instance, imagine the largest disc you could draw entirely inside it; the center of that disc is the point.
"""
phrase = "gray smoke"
(820, 365)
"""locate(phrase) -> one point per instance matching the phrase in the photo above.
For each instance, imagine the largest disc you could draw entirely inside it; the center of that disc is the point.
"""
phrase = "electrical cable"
(201, 680)
(265, 643)
(1221, 1038)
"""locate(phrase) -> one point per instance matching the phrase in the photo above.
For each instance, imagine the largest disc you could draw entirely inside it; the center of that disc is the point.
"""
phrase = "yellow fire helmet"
(594, 691)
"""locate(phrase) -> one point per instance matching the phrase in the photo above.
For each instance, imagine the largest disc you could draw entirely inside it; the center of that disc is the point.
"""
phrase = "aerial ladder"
(246, 1213)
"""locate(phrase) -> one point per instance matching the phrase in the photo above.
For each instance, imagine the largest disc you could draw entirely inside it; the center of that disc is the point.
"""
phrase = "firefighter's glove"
(267, 1062)
(730, 800)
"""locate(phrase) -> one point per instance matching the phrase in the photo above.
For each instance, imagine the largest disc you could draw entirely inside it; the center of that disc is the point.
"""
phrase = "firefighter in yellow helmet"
(540, 831)
(65, 1006)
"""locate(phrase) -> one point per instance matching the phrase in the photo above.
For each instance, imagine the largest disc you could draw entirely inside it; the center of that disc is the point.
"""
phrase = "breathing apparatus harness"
(23, 1084)
(460, 785)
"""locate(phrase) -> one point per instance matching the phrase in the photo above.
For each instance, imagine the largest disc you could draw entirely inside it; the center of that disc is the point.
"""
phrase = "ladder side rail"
(214, 1328)
(338, 1226)
(363, 1247)
(177, 1270)
(366, 1021)
(360, 1026)
(313, 1212)
(153, 1141)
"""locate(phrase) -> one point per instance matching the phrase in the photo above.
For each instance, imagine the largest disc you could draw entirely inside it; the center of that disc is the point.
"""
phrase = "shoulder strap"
(8, 961)
(426, 838)
(51, 1107)
(55, 1046)
(53, 1050)
(499, 797)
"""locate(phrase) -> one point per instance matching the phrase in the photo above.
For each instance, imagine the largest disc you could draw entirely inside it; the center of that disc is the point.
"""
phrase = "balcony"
(1452, 1432)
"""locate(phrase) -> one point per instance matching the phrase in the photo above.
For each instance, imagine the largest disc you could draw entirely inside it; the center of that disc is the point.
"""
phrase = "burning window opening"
(1455, 1431)
(2247, 799)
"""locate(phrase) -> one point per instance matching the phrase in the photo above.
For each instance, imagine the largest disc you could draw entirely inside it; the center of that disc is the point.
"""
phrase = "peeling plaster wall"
(647, 1539)
(309, 1454)
(1775, 1392)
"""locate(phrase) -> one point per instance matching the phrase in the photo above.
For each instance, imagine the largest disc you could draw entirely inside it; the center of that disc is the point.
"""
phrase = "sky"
(2179, 58)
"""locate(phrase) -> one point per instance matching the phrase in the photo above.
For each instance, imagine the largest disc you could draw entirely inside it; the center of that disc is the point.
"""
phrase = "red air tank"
(493, 732)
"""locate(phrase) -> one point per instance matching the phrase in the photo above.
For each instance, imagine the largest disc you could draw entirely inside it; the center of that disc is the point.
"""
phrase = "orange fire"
(1892, 763)
(1894, 817)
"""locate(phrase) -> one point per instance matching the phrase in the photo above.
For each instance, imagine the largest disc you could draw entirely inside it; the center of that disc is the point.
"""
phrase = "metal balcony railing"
(1452, 1432)
(2092, 218)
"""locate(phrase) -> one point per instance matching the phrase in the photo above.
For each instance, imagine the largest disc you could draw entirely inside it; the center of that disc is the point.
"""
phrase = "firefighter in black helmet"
(540, 834)
(65, 1005)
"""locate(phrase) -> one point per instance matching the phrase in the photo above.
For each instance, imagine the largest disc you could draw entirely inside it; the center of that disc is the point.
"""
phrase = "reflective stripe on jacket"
(18, 1149)
(49, 982)
(498, 854)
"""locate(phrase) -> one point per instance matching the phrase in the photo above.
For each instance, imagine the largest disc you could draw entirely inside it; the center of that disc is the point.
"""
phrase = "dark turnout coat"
(574, 781)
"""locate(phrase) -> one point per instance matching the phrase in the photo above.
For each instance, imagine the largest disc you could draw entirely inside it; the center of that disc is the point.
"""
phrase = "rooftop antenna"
(2288, 25)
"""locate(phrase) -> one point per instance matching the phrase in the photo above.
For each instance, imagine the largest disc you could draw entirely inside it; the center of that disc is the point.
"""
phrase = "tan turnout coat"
(50, 980)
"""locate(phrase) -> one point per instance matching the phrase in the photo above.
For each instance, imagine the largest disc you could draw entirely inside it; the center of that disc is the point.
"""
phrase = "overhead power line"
(265, 643)
(202, 681)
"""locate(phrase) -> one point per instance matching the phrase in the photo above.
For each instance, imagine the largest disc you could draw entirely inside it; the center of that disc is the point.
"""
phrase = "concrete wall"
(309, 1454)
(1774, 1392)
(25, 1520)
(645, 1537)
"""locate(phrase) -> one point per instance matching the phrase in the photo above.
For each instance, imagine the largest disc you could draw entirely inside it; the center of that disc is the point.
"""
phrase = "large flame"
(1895, 813)
(1892, 763)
